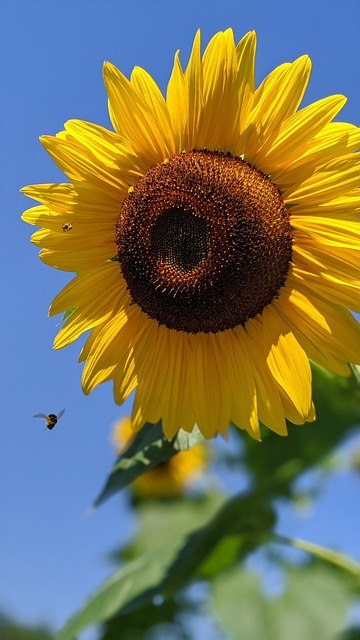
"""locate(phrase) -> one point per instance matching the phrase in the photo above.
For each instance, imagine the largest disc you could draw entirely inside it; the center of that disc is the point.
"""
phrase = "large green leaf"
(133, 626)
(238, 527)
(243, 523)
(313, 604)
(160, 522)
(235, 530)
(125, 585)
(148, 449)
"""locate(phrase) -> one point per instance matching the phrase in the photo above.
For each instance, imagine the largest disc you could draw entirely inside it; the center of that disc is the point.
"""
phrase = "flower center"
(204, 242)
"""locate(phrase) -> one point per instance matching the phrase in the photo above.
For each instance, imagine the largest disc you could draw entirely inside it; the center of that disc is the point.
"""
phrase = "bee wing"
(40, 415)
(61, 413)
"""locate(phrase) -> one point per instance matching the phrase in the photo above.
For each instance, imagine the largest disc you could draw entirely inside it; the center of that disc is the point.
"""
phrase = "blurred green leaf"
(159, 522)
(333, 557)
(350, 634)
(313, 604)
(337, 403)
(148, 449)
(238, 527)
(147, 571)
(133, 626)
(242, 524)
(11, 629)
(122, 587)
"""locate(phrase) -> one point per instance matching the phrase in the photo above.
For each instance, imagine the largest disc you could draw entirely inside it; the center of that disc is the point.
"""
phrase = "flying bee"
(67, 226)
(50, 419)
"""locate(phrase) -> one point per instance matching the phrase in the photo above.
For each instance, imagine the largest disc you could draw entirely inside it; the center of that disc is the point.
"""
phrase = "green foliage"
(159, 522)
(312, 604)
(132, 583)
(337, 402)
(208, 539)
(232, 533)
(148, 449)
(236, 530)
(133, 626)
(332, 557)
(13, 630)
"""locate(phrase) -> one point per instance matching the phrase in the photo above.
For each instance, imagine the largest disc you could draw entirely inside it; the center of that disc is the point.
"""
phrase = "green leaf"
(239, 526)
(313, 604)
(13, 630)
(160, 522)
(137, 577)
(235, 530)
(133, 626)
(148, 449)
(333, 557)
(337, 403)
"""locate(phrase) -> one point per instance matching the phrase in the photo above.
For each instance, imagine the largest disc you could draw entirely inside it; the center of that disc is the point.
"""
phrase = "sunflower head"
(204, 242)
(215, 239)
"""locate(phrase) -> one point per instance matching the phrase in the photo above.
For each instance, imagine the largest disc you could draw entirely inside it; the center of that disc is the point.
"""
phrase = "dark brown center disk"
(204, 242)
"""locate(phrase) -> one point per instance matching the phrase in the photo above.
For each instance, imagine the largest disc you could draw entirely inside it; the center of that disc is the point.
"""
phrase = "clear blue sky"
(51, 59)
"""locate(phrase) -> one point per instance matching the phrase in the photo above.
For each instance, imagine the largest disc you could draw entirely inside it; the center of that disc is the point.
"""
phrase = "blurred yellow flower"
(169, 479)
(216, 241)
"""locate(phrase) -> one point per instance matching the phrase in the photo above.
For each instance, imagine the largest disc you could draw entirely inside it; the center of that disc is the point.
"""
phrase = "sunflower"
(169, 479)
(215, 241)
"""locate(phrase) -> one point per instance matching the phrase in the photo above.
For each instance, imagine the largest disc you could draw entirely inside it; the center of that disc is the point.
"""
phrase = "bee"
(50, 419)
(67, 226)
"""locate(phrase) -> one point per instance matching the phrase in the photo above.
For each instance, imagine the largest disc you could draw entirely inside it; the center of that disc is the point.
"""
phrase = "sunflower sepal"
(354, 380)
(66, 315)
(185, 441)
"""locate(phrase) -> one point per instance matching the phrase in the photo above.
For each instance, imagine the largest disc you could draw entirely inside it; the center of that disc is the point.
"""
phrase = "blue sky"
(51, 59)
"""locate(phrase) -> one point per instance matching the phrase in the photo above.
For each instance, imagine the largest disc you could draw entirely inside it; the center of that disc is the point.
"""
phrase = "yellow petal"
(328, 325)
(76, 260)
(245, 52)
(287, 361)
(79, 164)
(177, 100)
(194, 80)
(330, 232)
(133, 118)
(297, 131)
(83, 201)
(275, 100)
(334, 179)
(270, 408)
(242, 383)
(219, 126)
(206, 387)
(150, 92)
